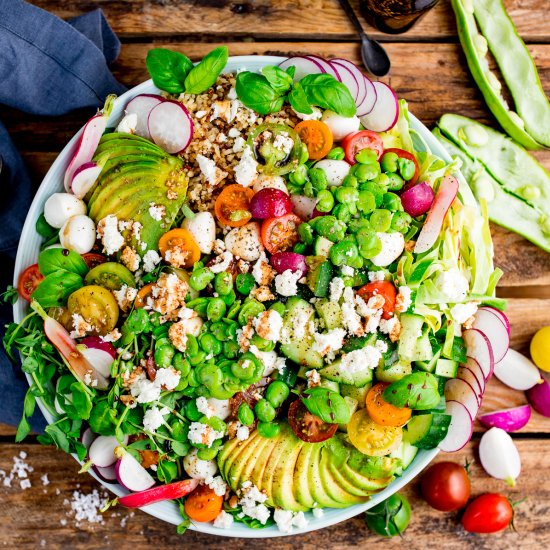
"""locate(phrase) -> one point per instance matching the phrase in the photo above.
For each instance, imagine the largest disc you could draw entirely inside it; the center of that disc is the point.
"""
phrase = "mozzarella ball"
(197, 468)
(220, 406)
(203, 229)
(264, 181)
(392, 247)
(78, 234)
(62, 206)
(335, 170)
(340, 126)
(245, 242)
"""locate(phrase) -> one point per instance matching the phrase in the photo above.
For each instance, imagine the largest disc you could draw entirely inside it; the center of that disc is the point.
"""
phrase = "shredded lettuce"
(400, 135)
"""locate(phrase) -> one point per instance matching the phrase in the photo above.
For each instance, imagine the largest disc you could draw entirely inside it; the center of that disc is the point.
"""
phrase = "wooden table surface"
(429, 71)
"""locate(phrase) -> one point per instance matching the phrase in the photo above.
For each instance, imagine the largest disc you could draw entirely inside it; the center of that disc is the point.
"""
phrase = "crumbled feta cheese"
(188, 325)
(167, 378)
(246, 171)
(233, 133)
(252, 503)
(403, 299)
(225, 109)
(361, 359)
(112, 336)
(313, 378)
(81, 326)
(381, 346)
(150, 260)
(204, 408)
(268, 325)
(144, 390)
(392, 327)
(167, 294)
(462, 312)
(243, 337)
(329, 342)
(223, 520)
(453, 285)
(109, 235)
(128, 124)
(243, 433)
(221, 262)
(262, 272)
(157, 211)
(239, 144)
(351, 319)
(154, 418)
(217, 484)
(222, 138)
(286, 520)
(200, 114)
(393, 245)
(271, 361)
(336, 288)
(348, 271)
(315, 115)
(130, 258)
(286, 283)
(376, 275)
(283, 142)
(208, 169)
(204, 434)
(197, 468)
(125, 297)
(218, 247)
(318, 512)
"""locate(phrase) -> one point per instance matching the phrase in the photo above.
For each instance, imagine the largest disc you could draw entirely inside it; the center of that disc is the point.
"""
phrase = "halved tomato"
(179, 248)
(363, 139)
(142, 295)
(384, 413)
(280, 234)
(203, 504)
(232, 207)
(317, 137)
(384, 289)
(28, 281)
(409, 156)
(370, 438)
(93, 260)
(307, 426)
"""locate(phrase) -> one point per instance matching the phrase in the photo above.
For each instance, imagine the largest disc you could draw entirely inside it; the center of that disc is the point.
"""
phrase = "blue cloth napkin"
(47, 67)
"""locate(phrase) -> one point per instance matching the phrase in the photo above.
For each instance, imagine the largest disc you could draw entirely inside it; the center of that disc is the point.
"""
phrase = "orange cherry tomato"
(409, 156)
(183, 249)
(28, 281)
(384, 289)
(384, 413)
(203, 504)
(280, 234)
(317, 137)
(142, 295)
(232, 206)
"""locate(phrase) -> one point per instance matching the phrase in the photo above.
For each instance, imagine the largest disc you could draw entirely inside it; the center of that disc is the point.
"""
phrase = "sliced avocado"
(345, 482)
(301, 487)
(226, 452)
(233, 454)
(234, 472)
(318, 492)
(250, 461)
(282, 485)
(366, 484)
(261, 461)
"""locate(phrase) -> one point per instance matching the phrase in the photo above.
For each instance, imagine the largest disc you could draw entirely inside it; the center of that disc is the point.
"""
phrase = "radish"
(107, 474)
(517, 372)
(84, 178)
(102, 450)
(445, 196)
(385, 112)
(303, 206)
(495, 330)
(473, 366)
(100, 360)
(343, 65)
(304, 66)
(509, 420)
(459, 390)
(539, 397)
(99, 343)
(471, 379)
(141, 105)
(87, 437)
(170, 126)
(348, 79)
(499, 456)
(171, 491)
(479, 348)
(326, 65)
(335, 170)
(369, 100)
(460, 429)
(130, 473)
(499, 314)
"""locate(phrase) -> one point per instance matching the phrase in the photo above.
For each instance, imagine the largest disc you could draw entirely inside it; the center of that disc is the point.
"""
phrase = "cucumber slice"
(446, 368)
(426, 431)
(330, 313)
(319, 275)
(359, 394)
(353, 405)
(322, 246)
(394, 372)
(405, 453)
(411, 330)
(335, 373)
(428, 366)
(423, 349)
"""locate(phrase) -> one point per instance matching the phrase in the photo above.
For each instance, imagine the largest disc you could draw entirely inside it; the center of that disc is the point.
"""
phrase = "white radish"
(107, 474)
(517, 372)
(501, 315)
(303, 206)
(99, 359)
(468, 376)
(141, 106)
(369, 100)
(479, 348)
(128, 124)
(459, 390)
(304, 66)
(84, 178)
(265, 181)
(346, 77)
(87, 437)
(203, 228)
(326, 65)
(492, 326)
(393, 245)
(78, 234)
(340, 126)
(499, 455)
(460, 429)
(60, 207)
(385, 112)
(170, 126)
(473, 366)
(130, 473)
(335, 170)
(102, 450)
(361, 80)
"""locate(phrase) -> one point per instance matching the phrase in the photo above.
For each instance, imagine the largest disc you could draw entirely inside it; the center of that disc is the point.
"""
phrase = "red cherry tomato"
(307, 426)
(409, 156)
(280, 234)
(93, 260)
(446, 486)
(28, 281)
(384, 289)
(488, 513)
(364, 139)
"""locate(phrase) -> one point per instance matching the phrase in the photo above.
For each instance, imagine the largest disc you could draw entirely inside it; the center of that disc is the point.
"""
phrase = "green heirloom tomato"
(97, 306)
(391, 517)
(110, 275)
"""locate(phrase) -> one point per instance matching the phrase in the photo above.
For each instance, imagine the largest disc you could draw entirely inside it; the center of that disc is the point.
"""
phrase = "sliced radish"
(509, 420)
(130, 473)
(479, 348)
(170, 126)
(431, 229)
(459, 390)
(141, 106)
(384, 113)
(303, 206)
(99, 343)
(107, 474)
(348, 79)
(495, 330)
(304, 66)
(102, 450)
(100, 360)
(468, 376)
(326, 65)
(87, 437)
(364, 85)
(460, 429)
(370, 98)
(517, 372)
(89, 140)
(539, 397)
(473, 366)
(499, 314)
(171, 491)
(84, 178)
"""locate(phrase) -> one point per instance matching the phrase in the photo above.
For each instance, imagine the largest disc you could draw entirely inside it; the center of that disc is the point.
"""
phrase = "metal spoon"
(374, 56)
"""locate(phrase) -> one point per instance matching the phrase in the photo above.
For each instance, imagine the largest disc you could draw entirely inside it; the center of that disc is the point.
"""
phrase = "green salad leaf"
(168, 69)
(279, 80)
(204, 74)
(56, 288)
(255, 91)
(326, 92)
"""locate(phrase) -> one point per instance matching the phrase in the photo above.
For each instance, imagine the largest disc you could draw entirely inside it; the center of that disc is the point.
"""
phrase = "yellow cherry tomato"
(370, 438)
(540, 349)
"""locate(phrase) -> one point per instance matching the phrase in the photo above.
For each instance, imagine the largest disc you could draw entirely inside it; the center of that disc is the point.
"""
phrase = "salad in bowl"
(260, 301)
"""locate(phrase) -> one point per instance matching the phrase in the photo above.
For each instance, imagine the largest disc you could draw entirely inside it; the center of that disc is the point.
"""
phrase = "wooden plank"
(32, 516)
(281, 19)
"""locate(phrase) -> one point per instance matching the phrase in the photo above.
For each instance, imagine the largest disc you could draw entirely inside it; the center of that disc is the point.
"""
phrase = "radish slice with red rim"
(102, 450)
(349, 80)
(473, 366)
(100, 360)
(499, 314)
(84, 178)
(304, 66)
(460, 429)
(385, 112)
(326, 65)
(517, 372)
(170, 126)
(303, 206)
(468, 376)
(492, 326)
(357, 74)
(131, 474)
(370, 98)
(107, 474)
(99, 343)
(87, 437)
(141, 105)
(172, 491)
(459, 390)
(479, 348)
(509, 420)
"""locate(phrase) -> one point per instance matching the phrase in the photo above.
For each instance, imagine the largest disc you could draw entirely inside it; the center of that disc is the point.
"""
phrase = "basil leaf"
(203, 75)
(61, 259)
(291, 70)
(44, 229)
(168, 69)
(56, 288)
(103, 418)
(328, 405)
(256, 93)
(298, 99)
(325, 91)
(279, 80)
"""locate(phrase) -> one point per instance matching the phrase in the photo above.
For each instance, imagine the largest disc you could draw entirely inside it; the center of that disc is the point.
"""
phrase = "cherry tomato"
(93, 260)
(488, 513)
(28, 281)
(232, 206)
(307, 426)
(317, 137)
(280, 234)
(182, 248)
(142, 295)
(409, 156)
(446, 486)
(371, 438)
(384, 289)
(363, 139)
(384, 413)
(203, 504)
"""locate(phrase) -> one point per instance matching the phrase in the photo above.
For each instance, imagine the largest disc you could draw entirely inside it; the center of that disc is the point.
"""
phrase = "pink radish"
(431, 229)
(539, 397)
(460, 429)
(369, 100)
(141, 106)
(499, 314)
(304, 66)
(347, 78)
(509, 420)
(517, 372)
(495, 330)
(130, 473)
(303, 206)
(459, 390)
(100, 360)
(170, 126)
(385, 112)
(87, 437)
(84, 178)
(171, 491)
(473, 366)
(357, 74)
(102, 450)
(327, 66)
(469, 377)
(99, 343)
(479, 348)
(107, 474)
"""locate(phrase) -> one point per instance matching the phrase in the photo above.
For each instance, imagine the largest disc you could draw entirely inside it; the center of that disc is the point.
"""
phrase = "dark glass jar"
(395, 16)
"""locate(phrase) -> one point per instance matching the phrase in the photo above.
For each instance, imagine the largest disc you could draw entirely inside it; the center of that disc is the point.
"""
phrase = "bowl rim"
(167, 511)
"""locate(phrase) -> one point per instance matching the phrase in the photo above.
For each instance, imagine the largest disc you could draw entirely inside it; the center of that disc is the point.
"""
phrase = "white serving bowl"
(27, 254)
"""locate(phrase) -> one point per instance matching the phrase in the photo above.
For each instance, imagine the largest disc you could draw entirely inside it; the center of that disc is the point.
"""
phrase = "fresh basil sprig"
(55, 288)
(298, 99)
(168, 69)
(204, 74)
(278, 79)
(328, 405)
(255, 91)
(61, 259)
(325, 91)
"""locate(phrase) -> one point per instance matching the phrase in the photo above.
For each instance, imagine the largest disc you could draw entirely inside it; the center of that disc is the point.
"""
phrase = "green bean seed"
(264, 410)
(346, 195)
(308, 190)
(197, 359)
(223, 283)
(210, 344)
(392, 202)
(209, 375)
(216, 309)
(181, 365)
(342, 212)
(366, 202)
(208, 453)
(268, 429)
(192, 346)
(330, 228)
(376, 189)
(230, 349)
(305, 232)
(279, 307)
(164, 355)
(368, 243)
(388, 162)
(345, 252)
(217, 424)
(229, 298)
(325, 202)
(219, 330)
(245, 283)
(380, 220)
(407, 168)
(358, 223)
(191, 411)
(262, 344)
(350, 181)
(318, 179)
(245, 414)
(199, 305)
(277, 392)
(299, 175)
(249, 310)
(395, 182)
(401, 221)
(233, 309)
(366, 172)
(243, 370)
(299, 248)
(200, 278)
(336, 153)
(366, 156)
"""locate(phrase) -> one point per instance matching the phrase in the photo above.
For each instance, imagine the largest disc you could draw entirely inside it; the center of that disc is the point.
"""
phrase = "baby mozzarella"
(392, 247)
(197, 468)
(335, 170)
(78, 234)
(60, 207)
(340, 126)
(264, 181)
(203, 229)
(245, 242)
